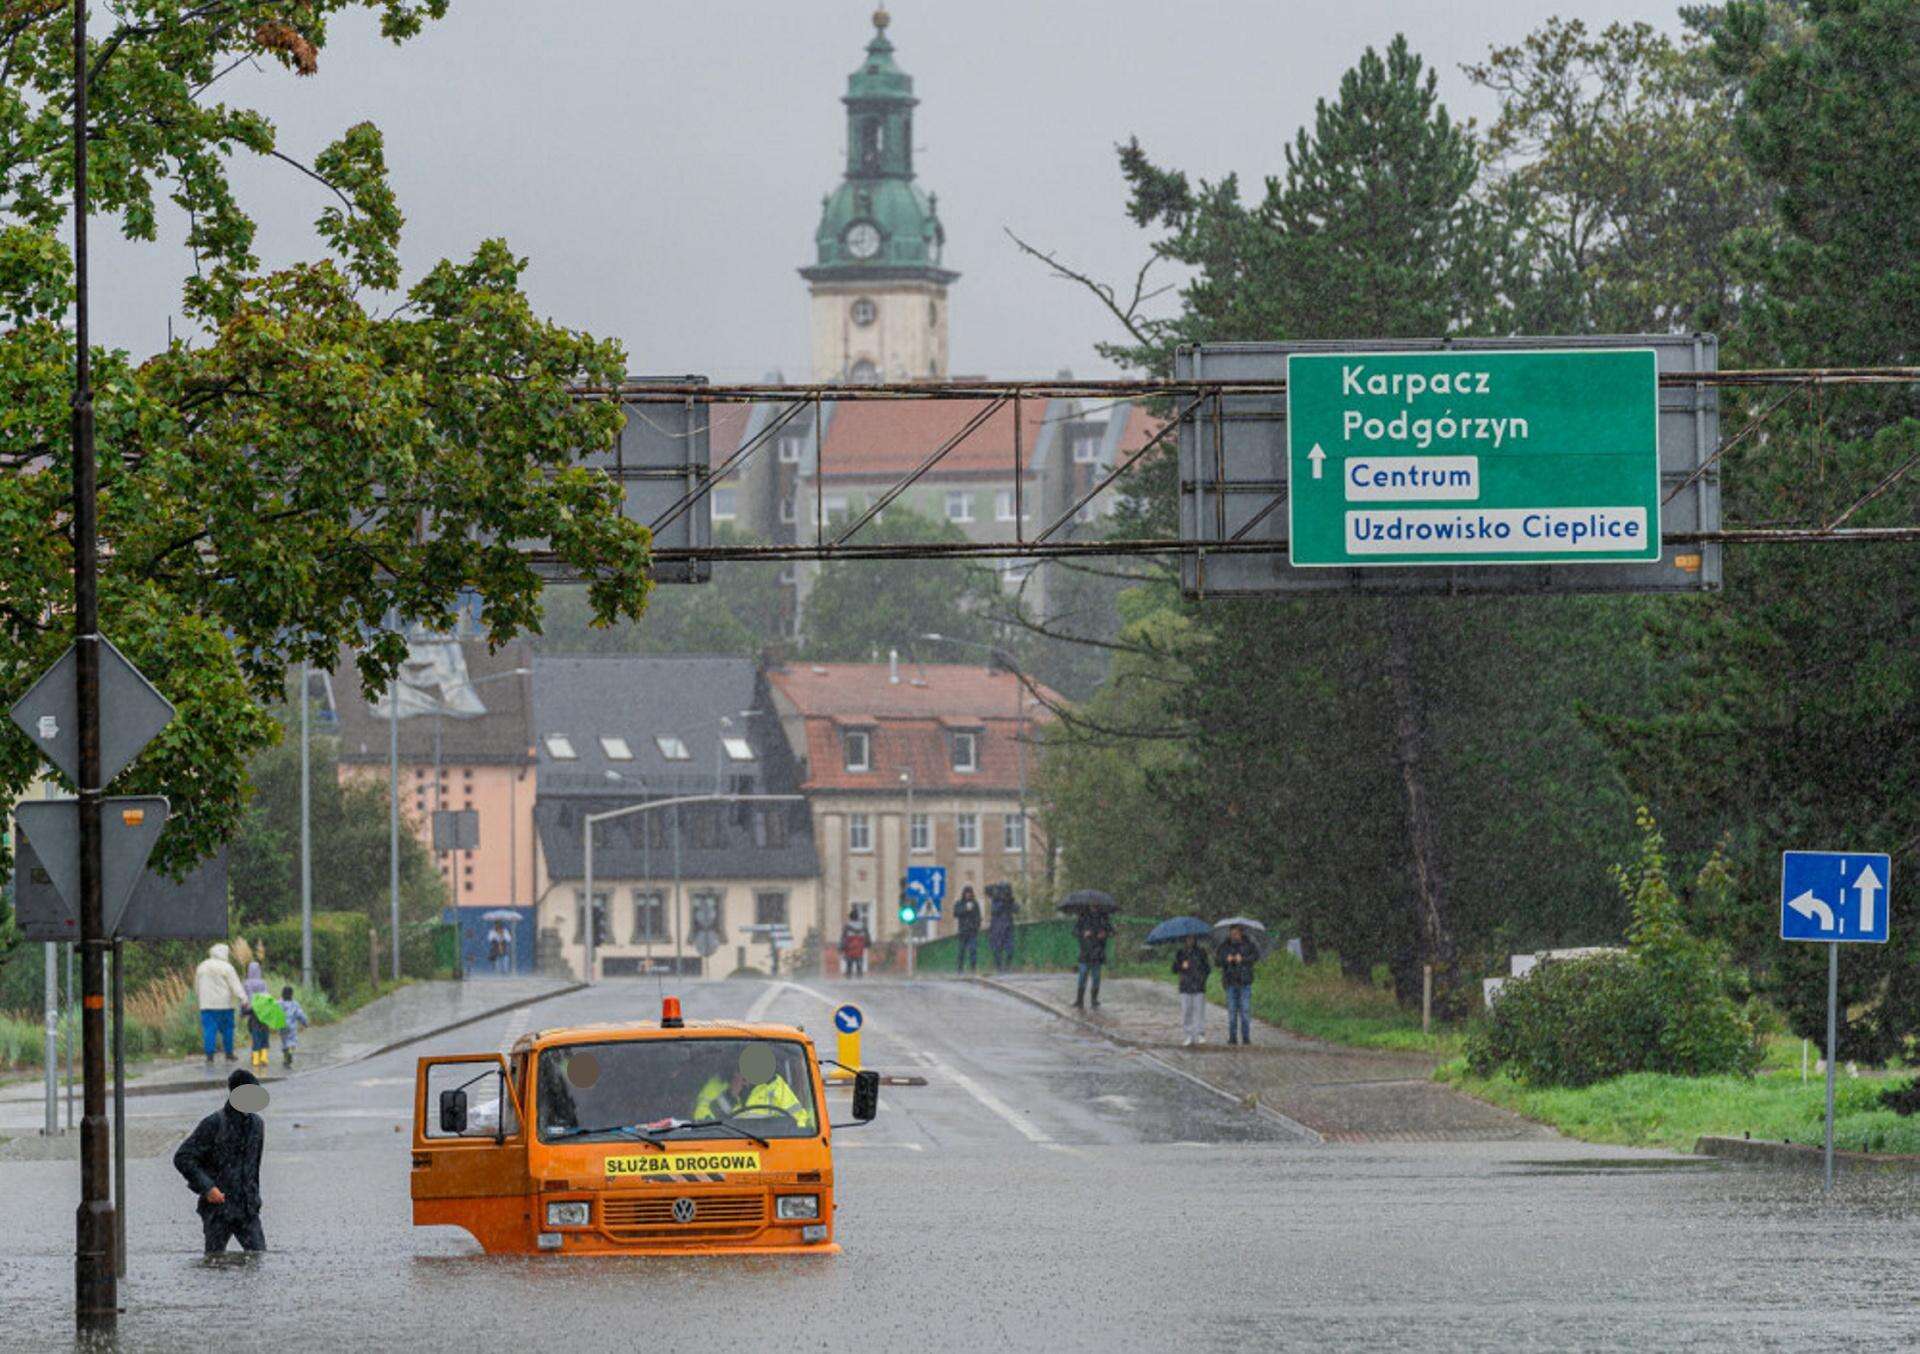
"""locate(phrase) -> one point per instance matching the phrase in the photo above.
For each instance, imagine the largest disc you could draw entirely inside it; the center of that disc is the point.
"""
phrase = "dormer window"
(856, 746)
(966, 750)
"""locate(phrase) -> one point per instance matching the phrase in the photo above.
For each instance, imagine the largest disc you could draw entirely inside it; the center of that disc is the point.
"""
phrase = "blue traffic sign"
(928, 883)
(1835, 895)
(848, 1019)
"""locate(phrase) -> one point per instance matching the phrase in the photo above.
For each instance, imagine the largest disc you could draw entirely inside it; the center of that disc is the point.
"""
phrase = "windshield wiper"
(654, 1143)
(722, 1123)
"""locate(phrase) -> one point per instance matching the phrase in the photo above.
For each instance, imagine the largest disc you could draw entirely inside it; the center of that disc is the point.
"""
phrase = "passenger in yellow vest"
(754, 1082)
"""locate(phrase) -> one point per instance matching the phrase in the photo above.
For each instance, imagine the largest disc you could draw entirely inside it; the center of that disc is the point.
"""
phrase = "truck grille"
(651, 1217)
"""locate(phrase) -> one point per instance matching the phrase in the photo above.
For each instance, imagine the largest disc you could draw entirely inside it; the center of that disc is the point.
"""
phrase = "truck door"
(470, 1151)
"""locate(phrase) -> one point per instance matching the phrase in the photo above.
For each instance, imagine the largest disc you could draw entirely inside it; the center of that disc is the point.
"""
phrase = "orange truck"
(661, 1138)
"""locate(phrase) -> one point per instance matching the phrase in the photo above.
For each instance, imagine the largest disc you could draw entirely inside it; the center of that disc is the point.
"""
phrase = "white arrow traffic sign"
(1319, 458)
(1869, 885)
(1811, 907)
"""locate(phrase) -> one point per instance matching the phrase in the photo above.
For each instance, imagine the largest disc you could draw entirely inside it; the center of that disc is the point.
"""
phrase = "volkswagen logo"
(683, 1210)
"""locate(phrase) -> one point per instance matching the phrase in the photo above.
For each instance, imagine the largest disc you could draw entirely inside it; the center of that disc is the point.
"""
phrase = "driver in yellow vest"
(754, 1082)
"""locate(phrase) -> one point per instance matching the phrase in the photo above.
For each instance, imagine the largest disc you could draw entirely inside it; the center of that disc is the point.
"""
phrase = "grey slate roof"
(642, 699)
(502, 736)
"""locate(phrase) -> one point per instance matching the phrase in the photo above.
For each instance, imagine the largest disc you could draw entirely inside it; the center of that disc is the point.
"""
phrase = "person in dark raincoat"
(1000, 925)
(1236, 957)
(220, 1161)
(1190, 966)
(1093, 930)
(966, 928)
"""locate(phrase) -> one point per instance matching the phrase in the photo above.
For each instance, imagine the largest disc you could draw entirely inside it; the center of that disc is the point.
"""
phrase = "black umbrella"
(1088, 900)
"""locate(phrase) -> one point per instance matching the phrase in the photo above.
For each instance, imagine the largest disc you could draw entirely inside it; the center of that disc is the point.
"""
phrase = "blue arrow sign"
(848, 1019)
(929, 884)
(1835, 895)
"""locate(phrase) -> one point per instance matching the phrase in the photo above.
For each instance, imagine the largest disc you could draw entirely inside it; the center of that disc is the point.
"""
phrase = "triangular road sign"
(130, 825)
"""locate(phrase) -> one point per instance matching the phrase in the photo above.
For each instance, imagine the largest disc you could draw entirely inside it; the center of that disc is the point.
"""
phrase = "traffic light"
(909, 909)
(602, 933)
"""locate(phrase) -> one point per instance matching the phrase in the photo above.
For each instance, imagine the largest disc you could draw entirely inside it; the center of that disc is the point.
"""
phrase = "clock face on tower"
(863, 239)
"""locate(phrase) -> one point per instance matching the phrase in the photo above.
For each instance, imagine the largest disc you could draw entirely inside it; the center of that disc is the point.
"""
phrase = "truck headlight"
(576, 1214)
(796, 1207)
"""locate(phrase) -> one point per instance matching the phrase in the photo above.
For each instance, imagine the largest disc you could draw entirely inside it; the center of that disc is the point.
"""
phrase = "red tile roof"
(872, 438)
(912, 722)
(727, 425)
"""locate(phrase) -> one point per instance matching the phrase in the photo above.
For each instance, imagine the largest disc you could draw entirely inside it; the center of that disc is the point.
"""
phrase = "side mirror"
(453, 1111)
(866, 1096)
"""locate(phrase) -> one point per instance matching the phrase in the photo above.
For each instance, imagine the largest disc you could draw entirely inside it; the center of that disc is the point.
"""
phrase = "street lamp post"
(906, 860)
(593, 820)
(306, 826)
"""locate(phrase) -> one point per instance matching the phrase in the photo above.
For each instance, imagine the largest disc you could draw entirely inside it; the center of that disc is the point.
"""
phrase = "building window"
(672, 748)
(580, 915)
(859, 833)
(1003, 506)
(771, 829)
(724, 501)
(706, 911)
(792, 446)
(864, 373)
(788, 512)
(959, 506)
(1013, 835)
(1086, 447)
(864, 312)
(933, 314)
(649, 917)
(920, 833)
(966, 751)
(858, 747)
(966, 831)
(738, 749)
(770, 909)
(559, 747)
(835, 506)
(709, 826)
(616, 749)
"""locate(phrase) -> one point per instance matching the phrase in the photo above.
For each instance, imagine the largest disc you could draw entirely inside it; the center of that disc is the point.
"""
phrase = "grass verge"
(1320, 1002)
(1653, 1110)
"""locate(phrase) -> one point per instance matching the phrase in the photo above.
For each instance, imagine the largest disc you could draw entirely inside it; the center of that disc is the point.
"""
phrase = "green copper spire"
(878, 223)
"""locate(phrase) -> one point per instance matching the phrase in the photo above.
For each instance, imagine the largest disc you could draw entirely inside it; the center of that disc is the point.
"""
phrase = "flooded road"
(1045, 1190)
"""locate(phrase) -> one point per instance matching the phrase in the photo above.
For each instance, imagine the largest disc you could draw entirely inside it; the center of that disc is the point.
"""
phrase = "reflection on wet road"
(1045, 1190)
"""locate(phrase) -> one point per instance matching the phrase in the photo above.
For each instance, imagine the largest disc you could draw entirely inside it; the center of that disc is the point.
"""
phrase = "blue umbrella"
(1177, 928)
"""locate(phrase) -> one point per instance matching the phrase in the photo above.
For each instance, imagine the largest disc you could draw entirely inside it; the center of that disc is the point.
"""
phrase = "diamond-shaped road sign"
(129, 828)
(131, 714)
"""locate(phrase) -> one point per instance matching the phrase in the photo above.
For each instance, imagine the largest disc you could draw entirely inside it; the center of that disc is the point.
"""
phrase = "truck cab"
(669, 1137)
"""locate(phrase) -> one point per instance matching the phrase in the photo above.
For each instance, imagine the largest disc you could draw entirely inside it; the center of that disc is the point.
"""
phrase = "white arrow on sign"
(1809, 906)
(1869, 885)
(1319, 459)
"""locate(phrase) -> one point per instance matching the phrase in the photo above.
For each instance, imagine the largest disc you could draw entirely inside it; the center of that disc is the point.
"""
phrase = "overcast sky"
(662, 164)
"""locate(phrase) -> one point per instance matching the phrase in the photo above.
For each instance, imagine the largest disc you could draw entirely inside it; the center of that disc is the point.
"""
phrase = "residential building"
(909, 764)
(676, 885)
(466, 743)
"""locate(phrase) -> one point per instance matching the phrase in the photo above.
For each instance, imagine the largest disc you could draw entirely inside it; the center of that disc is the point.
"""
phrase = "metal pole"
(1833, 1012)
(96, 1291)
(393, 815)
(588, 976)
(679, 921)
(66, 1035)
(51, 1055)
(119, 1117)
(306, 828)
(1026, 830)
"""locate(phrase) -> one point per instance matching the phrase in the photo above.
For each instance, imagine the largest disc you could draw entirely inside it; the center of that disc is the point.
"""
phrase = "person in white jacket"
(216, 986)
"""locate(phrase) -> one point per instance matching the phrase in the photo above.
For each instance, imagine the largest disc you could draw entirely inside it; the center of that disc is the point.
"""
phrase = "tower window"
(864, 373)
(933, 314)
(864, 312)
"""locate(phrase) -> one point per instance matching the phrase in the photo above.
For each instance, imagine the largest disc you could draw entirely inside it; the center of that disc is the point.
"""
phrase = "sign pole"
(96, 1291)
(306, 827)
(119, 1115)
(1833, 1011)
(51, 1061)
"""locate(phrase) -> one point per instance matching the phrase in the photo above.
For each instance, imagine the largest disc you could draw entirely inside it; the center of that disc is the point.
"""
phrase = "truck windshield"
(676, 1088)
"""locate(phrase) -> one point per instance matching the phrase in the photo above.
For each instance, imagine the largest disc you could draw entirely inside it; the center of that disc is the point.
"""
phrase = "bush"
(1667, 1005)
(341, 952)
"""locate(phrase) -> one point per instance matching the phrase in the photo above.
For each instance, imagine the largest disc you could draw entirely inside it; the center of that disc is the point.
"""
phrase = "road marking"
(385, 1081)
(778, 985)
(987, 1098)
(516, 1026)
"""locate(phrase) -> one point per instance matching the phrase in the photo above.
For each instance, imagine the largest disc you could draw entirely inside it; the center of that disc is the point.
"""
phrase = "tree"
(1788, 717)
(858, 609)
(740, 611)
(1615, 152)
(327, 454)
(350, 844)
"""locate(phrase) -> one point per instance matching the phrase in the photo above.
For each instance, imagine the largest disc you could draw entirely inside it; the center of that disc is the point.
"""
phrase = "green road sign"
(1461, 457)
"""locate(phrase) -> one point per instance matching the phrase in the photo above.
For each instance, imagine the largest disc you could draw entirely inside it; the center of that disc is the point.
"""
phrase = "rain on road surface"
(1045, 1190)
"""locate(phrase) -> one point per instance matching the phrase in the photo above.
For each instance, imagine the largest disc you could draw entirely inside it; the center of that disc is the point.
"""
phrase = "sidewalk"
(1343, 1094)
(408, 1013)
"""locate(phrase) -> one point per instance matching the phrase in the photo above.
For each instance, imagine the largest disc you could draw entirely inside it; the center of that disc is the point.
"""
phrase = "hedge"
(342, 952)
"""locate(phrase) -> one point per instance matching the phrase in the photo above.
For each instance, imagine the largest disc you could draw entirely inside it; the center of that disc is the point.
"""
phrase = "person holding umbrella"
(1191, 967)
(1092, 911)
(1237, 955)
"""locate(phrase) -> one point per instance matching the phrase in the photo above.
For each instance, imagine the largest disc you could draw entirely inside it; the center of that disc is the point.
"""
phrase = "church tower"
(879, 292)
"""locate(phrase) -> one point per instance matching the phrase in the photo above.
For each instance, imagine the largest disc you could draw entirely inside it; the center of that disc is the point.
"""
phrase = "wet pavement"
(1046, 1190)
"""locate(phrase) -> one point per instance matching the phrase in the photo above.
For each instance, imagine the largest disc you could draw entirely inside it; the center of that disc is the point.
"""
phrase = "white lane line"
(516, 1026)
(778, 985)
(986, 1098)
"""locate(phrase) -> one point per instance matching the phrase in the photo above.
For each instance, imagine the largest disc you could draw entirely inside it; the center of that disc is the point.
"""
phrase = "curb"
(1145, 1050)
(1801, 1156)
